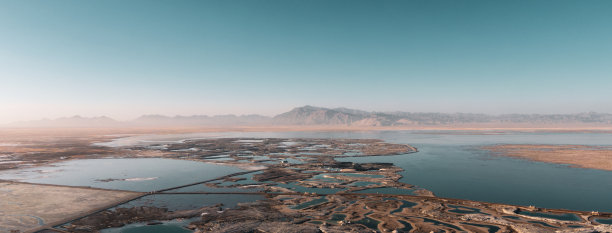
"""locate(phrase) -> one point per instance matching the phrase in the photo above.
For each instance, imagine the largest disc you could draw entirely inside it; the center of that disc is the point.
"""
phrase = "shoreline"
(581, 156)
(311, 166)
(115, 132)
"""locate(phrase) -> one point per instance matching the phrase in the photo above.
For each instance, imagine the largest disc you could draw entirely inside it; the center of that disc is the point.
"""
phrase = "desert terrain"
(305, 188)
(595, 157)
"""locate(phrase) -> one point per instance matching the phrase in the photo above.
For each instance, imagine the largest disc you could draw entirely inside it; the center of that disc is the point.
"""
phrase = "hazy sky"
(125, 58)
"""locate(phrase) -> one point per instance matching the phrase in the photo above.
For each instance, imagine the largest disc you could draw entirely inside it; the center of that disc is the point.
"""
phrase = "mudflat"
(594, 157)
(27, 206)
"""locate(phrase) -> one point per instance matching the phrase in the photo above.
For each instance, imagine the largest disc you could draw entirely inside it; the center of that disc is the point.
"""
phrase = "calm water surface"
(143, 174)
(451, 164)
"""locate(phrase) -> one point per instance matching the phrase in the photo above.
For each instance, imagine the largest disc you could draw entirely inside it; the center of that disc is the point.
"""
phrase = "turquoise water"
(405, 204)
(491, 228)
(337, 217)
(453, 166)
(368, 222)
(321, 177)
(294, 161)
(248, 179)
(563, 217)
(604, 220)
(407, 226)
(364, 183)
(220, 159)
(450, 164)
(146, 174)
(464, 210)
(255, 157)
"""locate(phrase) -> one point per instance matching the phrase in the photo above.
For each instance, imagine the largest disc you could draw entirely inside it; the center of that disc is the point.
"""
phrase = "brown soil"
(594, 157)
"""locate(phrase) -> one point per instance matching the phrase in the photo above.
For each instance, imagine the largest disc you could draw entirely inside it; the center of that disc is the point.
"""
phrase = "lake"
(142, 174)
(451, 164)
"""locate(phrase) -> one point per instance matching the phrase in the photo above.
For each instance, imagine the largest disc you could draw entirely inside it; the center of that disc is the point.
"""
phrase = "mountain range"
(310, 115)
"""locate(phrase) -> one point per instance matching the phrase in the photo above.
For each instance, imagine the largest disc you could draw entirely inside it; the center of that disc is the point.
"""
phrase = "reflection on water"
(464, 210)
(405, 204)
(143, 174)
(407, 226)
(450, 164)
(364, 183)
(491, 228)
(563, 217)
(604, 220)
(368, 222)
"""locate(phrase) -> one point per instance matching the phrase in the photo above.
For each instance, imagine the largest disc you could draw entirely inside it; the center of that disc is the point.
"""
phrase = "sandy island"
(595, 157)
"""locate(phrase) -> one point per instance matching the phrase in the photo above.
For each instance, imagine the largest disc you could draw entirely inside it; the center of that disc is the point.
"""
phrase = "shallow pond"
(325, 177)
(368, 222)
(464, 210)
(405, 204)
(247, 179)
(490, 228)
(451, 164)
(143, 174)
(407, 226)
(563, 217)
(336, 218)
(604, 220)
(364, 183)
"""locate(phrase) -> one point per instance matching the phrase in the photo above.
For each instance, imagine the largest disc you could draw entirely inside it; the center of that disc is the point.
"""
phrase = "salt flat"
(27, 206)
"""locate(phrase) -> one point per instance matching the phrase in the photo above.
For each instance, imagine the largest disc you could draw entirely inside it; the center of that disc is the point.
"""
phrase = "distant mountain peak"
(313, 115)
(75, 121)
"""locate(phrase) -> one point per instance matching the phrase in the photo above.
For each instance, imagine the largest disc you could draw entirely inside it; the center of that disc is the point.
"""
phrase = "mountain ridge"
(311, 115)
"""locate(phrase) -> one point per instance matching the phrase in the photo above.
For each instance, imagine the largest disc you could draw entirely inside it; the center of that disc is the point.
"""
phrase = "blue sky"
(127, 58)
